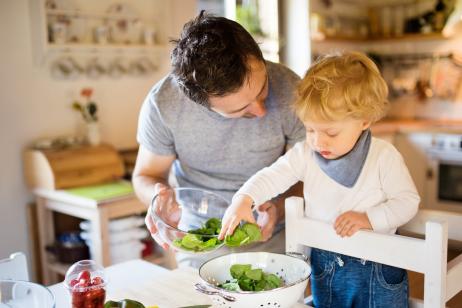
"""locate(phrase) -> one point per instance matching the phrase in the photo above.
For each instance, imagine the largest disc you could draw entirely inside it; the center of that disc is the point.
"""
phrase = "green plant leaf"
(253, 231)
(249, 279)
(243, 235)
(254, 274)
(201, 239)
(231, 285)
(191, 241)
(76, 106)
(272, 280)
(238, 270)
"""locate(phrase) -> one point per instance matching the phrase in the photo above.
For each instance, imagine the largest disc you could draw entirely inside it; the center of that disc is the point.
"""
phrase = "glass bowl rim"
(158, 218)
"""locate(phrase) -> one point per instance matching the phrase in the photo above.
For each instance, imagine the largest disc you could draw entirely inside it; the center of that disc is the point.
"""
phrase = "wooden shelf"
(405, 37)
(77, 47)
(83, 14)
(328, 39)
(81, 24)
(59, 268)
(412, 37)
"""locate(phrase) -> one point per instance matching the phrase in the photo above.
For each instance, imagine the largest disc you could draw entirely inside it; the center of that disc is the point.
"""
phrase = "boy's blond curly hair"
(342, 85)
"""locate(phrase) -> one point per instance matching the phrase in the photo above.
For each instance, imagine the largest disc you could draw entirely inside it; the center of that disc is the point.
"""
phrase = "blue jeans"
(339, 281)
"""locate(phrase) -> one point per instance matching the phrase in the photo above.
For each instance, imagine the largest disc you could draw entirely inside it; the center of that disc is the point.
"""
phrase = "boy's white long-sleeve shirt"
(384, 189)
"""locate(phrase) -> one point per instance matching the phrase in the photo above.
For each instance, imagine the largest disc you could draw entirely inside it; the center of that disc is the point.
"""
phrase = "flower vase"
(92, 133)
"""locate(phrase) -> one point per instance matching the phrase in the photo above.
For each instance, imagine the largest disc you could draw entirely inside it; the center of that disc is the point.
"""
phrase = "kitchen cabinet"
(377, 27)
(412, 147)
(98, 213)
(421, 67)
(67, 25)
(83, 182)
(99, 38)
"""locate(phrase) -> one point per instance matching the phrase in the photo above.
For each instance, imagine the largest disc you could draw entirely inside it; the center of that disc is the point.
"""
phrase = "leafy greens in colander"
(205, 238)
(247, 279)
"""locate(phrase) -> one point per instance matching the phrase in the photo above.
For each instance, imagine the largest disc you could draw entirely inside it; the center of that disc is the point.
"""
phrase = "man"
(222, 114)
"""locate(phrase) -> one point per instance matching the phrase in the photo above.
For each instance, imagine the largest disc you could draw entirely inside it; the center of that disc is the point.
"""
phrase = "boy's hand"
(349, 222)
(240, 209)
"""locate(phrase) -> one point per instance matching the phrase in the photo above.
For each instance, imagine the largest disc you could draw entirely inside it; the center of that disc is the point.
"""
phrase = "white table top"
(149, 284)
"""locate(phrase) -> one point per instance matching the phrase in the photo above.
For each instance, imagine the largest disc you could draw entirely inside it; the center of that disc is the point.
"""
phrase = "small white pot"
(293, 271)
(92, 133)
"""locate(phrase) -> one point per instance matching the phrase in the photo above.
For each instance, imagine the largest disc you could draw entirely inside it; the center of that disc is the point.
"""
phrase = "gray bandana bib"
(346, 169)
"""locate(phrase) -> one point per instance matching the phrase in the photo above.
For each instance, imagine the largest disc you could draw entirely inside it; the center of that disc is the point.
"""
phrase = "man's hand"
(267, 219)
(349, 222)
(166, 207)
(153, 230)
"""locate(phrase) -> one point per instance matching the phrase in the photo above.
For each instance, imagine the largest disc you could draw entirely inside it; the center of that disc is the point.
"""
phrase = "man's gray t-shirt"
(213, 152)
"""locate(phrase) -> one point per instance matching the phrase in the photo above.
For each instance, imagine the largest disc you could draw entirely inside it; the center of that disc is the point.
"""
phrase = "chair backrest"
(14, 267)
(427, 256)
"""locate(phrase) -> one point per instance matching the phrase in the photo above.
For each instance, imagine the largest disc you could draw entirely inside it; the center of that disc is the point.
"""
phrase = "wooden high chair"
(427, 256)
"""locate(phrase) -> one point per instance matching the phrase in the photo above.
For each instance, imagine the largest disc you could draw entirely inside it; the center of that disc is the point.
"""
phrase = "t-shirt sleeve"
(295, 131)
(293, 128)
(153, 133)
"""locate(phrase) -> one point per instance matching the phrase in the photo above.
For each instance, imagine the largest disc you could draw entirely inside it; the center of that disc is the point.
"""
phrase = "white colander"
(293, 270)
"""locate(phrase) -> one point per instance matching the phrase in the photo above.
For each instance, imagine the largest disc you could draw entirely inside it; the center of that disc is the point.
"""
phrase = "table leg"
(46, 236)
(100, 250)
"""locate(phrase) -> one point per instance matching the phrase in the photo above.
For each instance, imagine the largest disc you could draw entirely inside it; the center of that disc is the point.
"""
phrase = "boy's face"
(333, 139)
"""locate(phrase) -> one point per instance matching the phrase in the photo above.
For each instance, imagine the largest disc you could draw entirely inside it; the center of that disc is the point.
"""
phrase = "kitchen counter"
(391, 126)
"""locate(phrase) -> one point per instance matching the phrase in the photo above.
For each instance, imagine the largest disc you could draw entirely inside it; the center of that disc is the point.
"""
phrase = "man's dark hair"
(210, 57)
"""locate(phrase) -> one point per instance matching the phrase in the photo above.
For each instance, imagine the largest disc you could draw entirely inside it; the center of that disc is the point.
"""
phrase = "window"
(259, 17)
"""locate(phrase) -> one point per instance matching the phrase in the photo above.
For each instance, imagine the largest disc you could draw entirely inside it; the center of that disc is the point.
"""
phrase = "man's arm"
(150, 175)
(150, 169)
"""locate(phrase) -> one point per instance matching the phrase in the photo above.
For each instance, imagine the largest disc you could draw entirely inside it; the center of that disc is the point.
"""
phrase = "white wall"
(34, 105)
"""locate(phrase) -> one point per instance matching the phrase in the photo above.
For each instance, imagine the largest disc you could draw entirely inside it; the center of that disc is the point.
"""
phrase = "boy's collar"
(346, 169)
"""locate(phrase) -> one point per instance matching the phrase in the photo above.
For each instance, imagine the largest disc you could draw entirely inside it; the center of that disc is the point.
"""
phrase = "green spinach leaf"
(247, 279)
(243, 235)
(204, 238)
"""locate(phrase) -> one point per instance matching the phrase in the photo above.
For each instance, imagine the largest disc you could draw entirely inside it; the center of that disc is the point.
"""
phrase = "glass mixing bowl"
(20, 294)
(182, 210)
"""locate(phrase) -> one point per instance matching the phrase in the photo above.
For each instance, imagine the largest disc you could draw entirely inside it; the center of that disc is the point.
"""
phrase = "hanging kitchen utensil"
(446, 79)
